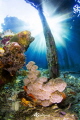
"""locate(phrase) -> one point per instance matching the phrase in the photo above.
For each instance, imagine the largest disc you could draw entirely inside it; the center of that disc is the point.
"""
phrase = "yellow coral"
(23, 41)
(1, 51)
(27, 32)
(24, 101)
(24, 37)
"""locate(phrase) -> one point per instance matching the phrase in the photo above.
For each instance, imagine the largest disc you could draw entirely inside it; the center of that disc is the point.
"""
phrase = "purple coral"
(5, 39)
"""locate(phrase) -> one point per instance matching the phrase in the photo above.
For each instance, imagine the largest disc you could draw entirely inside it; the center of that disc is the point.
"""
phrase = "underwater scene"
(39, 59)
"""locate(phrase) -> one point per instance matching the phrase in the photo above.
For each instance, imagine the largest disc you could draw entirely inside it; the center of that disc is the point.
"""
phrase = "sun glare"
(57, 23)
(59, 27)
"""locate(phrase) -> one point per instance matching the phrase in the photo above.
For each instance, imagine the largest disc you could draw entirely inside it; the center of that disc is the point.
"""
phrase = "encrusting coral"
(45, 92)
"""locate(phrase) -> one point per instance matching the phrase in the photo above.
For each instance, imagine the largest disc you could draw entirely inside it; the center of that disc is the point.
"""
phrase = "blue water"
(68, 55)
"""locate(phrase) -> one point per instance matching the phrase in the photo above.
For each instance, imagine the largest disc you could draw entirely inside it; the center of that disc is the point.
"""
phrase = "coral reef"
(11, 52)
(13, 108)
(23, 38)
(45, 91)
(13, 57)
(11, 60)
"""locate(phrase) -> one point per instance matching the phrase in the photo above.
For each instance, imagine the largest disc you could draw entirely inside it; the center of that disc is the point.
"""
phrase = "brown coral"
(13, 58)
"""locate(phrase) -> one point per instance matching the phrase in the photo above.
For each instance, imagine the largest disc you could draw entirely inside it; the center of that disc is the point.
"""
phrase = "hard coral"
(23, 38)
(12, 47)
(46, 92)
(11, 53)
(13, 58)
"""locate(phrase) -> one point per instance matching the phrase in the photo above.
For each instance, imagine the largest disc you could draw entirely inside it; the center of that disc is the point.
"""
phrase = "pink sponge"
(46, 92)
